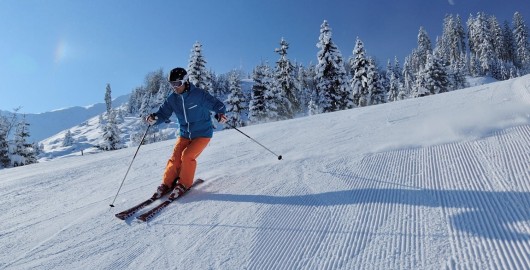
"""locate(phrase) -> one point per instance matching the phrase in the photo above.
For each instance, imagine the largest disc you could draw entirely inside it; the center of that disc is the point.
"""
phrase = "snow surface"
(427, 183)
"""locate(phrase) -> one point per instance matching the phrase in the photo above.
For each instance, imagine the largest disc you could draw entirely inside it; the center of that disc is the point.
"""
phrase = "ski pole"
(279, 156)
(143, 137)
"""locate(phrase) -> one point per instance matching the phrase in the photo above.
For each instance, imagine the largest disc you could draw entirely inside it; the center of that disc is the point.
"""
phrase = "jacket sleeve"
(214, 104)
(164, 111)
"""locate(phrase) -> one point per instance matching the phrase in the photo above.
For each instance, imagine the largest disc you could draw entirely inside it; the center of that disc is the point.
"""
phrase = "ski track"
(478, 219)
(465, 201)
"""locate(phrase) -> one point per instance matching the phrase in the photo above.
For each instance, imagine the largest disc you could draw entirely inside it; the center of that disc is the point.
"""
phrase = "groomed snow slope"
(428, 183)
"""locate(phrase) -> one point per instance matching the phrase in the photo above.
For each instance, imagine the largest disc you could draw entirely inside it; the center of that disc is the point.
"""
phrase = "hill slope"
(44, 125)
(427, 183)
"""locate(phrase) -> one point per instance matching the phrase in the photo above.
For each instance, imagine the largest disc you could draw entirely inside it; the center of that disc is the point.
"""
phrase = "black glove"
(221, 118)
(151, 119)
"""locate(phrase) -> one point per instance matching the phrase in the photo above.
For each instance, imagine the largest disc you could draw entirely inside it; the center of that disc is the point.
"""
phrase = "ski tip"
(111, 205)
(120, 217)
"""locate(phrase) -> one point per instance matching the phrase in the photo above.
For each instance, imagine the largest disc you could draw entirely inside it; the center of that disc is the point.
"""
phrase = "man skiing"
(192, 106)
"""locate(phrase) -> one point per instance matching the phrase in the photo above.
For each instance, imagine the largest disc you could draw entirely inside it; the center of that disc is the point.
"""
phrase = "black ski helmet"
(177, 74)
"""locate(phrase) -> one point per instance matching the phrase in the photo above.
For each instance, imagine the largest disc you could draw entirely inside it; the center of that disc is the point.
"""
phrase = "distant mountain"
(44, 125)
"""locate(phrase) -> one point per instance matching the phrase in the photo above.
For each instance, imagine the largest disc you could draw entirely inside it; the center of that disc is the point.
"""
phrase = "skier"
(192, 106)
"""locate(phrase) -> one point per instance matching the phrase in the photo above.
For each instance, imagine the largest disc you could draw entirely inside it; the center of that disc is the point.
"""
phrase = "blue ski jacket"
(192, 109)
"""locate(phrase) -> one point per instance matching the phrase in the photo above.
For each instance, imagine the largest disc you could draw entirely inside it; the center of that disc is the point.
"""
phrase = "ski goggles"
(177, 83)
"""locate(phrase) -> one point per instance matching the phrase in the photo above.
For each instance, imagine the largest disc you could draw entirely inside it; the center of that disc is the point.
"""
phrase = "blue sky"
(61, 53)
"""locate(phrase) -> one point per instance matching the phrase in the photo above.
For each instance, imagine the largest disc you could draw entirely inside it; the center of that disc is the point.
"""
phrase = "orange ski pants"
(183, 161)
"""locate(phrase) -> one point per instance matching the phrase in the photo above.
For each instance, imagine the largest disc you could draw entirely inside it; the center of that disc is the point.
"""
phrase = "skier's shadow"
(483, 213)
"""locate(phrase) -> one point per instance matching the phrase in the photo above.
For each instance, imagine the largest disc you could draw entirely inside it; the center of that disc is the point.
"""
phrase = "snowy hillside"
(428, 183)
(44, 125)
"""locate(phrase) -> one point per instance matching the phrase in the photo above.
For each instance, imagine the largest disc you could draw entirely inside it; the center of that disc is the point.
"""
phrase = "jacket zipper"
(185, 115)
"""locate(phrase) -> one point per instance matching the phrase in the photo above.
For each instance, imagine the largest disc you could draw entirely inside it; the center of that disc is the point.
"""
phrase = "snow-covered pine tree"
(111, 133)
(332, 80)
(257, 98)
(197, 72)
(393, 91)
(135, 101)
(359, 73)
(273, 95)
(433, 78)
(481, 44)
(312, 108)
(377, 94)
(108, 98)
(522, 48)
(424, 49)
(385, 78)
(408, 78)
(452, 43)
(457, 74)
(235, 102)
(304, 84)
(68, 139)
(286, 81)
(497, 38)
(312, 92)
(222, 86)
(509, 44)
(24, 153)
(394, 80)
(5, 159)
(147, 96)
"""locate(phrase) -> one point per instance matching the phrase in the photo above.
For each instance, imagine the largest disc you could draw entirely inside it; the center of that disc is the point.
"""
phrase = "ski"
(145, 217)
(131, 211)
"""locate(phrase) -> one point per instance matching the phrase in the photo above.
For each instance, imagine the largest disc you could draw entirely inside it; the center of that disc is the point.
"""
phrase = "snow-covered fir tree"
(5, 159)
(286, 81)
(304, 85)
(111, 132)
(419, 58)
(197, 72)
(409, 75)
(509, 53)
(377, 94)
(393, 92)
(235, 102)
(481, 44)
(221, 86)
(384, 76)
(433, 78)
(331, 77)
(312, 108)
(274, 100)
(156, 88)
(497, 38)
(256, 108)
(452, 45)
(395, 82)
(311, 91)
(522, 48)
(359, 73)
(457, 74)
(23, 153)
(108, 98)
(68, 139)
